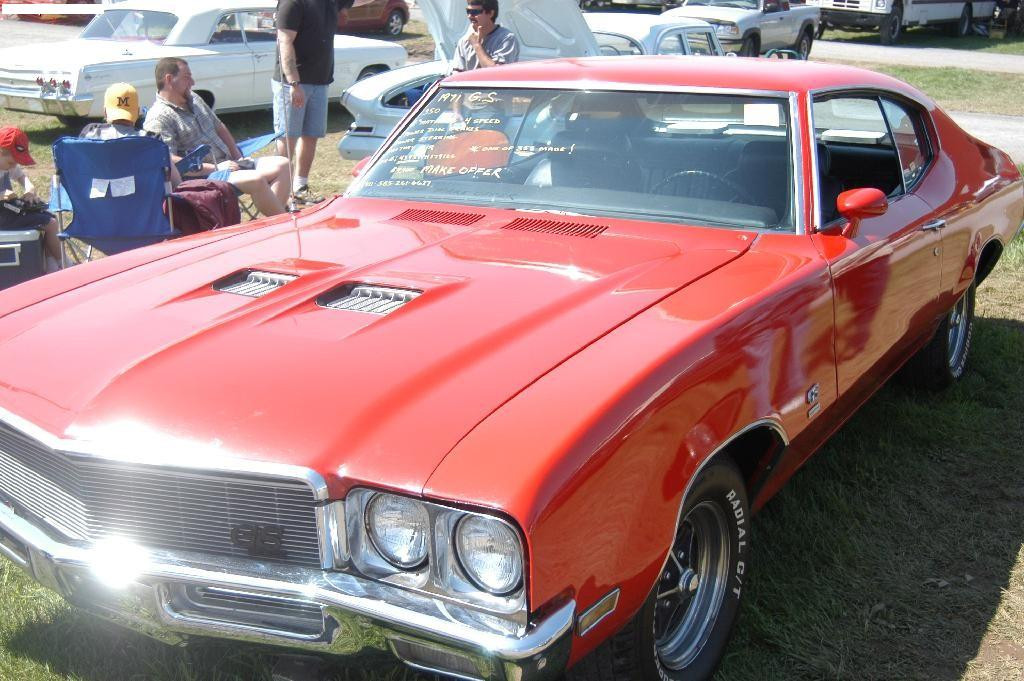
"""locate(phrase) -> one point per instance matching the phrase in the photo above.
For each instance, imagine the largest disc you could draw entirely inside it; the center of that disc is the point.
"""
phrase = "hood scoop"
(367, 298)
(440, 217)
(555, 227)
(253, 283)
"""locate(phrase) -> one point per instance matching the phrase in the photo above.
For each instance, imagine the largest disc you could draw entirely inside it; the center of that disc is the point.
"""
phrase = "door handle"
(933, 225)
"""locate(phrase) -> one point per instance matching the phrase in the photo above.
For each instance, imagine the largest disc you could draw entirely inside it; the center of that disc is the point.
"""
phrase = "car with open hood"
(621, 33)
(378, 104)
(230, 46)
(498, 411)
(546, 29)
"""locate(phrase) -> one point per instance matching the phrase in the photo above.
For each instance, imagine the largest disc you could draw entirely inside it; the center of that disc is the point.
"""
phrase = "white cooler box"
(21, 256)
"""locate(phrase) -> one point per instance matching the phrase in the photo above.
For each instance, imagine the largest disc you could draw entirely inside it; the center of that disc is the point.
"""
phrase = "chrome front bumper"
(172, 597)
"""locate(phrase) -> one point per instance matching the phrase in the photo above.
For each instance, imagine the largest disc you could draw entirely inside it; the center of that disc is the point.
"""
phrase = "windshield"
(713, 159)
(739, 4)
(123, 24)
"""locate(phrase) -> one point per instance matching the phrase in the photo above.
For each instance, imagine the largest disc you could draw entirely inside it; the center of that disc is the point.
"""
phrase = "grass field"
(961, 89)
(934, 36)
(896, 553)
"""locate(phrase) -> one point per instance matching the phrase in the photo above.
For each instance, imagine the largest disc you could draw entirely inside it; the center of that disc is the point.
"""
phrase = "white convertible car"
(229, 44)
(546, 28)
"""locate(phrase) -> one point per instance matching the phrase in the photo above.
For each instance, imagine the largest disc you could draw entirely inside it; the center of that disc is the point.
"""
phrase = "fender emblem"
(259, 540)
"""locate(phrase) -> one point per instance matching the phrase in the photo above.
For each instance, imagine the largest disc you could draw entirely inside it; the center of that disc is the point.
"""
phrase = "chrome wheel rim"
(395, 24)
(805, 47)
(957, 334)
(692, 586)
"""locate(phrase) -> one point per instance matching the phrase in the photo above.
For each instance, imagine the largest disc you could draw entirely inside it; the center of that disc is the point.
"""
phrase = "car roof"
(636, 25)
(734, 73)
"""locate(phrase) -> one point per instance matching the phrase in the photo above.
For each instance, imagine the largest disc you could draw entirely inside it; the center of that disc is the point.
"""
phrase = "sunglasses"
(474, 12)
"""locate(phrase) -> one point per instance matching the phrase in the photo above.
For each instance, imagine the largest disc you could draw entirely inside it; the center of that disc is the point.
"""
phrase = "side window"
(910, 140)
(699, 42)
(858, 150)
(258, 26)
(615, 45)
(226, 31)
(671, 44)
(407, 96)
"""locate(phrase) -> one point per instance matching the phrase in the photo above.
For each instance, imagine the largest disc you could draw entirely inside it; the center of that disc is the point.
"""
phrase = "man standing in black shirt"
(305, 67)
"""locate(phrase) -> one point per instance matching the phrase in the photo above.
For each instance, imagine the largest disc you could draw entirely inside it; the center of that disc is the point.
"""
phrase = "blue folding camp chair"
(116, 189)
(193, 160)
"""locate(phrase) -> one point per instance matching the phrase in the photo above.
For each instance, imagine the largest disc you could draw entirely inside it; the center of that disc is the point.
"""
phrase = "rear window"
(121, 24)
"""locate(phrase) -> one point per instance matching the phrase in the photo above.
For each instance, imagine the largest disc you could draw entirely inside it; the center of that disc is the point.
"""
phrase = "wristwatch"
(294, 83)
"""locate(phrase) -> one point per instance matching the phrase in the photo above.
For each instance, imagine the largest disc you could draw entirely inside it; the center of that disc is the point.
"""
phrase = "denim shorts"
(310, 120)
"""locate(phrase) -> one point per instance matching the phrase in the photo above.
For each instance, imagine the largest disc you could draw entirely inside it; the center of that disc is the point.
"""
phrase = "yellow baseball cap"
(121, 102)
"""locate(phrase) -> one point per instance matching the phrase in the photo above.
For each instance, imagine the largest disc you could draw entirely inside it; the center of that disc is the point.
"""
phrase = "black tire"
(892, 25)
(394, 24)
(962, 27)
(803, 45)
(751, 46)
(713, 535)
(944, 359)
(75, 123)
(206, 96)
(370, 71)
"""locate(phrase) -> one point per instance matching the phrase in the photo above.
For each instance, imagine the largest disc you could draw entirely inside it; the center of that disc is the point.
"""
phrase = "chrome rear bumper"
(52, 104)
(172, 597)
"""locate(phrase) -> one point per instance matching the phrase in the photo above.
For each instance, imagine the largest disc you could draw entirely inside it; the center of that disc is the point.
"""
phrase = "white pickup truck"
(890, 17)
(752, 27)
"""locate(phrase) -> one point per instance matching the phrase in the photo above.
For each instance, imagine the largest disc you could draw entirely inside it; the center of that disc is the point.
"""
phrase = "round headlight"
(399, 528)
(490, 553)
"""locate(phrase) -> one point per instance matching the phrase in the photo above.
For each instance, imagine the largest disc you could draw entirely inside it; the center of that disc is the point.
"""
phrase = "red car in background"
(55, 17)
(389, 16)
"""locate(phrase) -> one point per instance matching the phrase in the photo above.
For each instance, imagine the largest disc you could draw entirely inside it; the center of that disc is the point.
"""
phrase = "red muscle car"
(507, 407)
(389, 16)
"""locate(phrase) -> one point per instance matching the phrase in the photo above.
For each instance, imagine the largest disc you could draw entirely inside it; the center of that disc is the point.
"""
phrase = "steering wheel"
(703, 182)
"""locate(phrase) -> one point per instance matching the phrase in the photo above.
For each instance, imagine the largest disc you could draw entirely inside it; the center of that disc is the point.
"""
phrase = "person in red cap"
(23, 213)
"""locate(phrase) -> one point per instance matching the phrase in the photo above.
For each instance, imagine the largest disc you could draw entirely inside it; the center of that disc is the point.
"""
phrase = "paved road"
(1003, 131)
(918, 56)
(13, 32)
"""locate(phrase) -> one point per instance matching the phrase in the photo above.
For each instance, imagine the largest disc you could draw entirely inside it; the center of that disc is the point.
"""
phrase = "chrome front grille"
(160, 508)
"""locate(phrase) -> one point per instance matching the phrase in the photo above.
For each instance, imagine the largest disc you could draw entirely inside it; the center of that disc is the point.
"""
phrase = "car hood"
(79, 52)
(155, 364)
(546, 28)
(710, 14)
